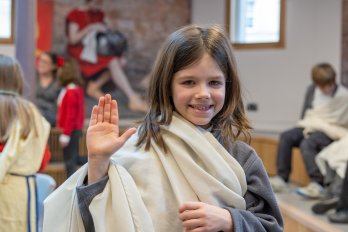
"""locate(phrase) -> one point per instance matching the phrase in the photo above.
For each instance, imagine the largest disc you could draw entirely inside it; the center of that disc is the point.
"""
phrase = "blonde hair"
(323, 74)
(12, 106)
(181, 49)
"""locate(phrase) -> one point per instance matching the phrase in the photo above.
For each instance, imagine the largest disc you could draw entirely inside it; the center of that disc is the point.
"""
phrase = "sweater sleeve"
(85, 195)
(46, 158)
(262, 212)
(308, 100)
(71, 101)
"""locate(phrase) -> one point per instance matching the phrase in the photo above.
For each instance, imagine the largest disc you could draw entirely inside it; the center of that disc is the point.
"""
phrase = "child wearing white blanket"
(183, 168)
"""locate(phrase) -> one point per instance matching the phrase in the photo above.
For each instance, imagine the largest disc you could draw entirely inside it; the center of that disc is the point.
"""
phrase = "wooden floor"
(298, 216)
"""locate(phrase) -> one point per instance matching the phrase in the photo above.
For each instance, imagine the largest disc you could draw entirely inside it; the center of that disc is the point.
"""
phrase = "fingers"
(193, 224)
(127, 134)
(190, 214)
(101, 104)
(114, 113)
(107, 108)
(94, 115)
(189, 206)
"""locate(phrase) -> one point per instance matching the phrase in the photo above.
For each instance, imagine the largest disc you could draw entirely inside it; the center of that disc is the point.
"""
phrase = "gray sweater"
(261, 214)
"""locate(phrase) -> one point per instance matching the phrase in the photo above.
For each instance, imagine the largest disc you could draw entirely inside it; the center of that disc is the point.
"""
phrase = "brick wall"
(145, 23)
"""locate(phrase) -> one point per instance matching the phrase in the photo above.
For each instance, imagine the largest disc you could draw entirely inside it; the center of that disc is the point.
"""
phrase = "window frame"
(10, 39)
(279, 44)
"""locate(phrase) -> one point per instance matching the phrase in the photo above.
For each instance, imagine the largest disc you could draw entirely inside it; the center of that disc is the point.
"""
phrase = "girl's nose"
(202, 91)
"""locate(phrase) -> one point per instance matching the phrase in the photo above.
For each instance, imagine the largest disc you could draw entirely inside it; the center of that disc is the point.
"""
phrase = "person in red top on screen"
(71, 113)
(85, 21)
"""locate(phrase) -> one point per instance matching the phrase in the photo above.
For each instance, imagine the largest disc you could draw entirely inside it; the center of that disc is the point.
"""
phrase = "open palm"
(103, 137)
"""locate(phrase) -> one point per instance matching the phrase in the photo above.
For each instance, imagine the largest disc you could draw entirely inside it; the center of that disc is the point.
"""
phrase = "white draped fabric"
(146, 188)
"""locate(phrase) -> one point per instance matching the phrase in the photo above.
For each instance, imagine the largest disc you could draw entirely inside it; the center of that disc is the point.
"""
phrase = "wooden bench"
(266, 148)
(56, 167)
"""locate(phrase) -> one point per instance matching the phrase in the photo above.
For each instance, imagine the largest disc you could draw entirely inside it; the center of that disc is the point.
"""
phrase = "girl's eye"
(188, 82)
(216, 83)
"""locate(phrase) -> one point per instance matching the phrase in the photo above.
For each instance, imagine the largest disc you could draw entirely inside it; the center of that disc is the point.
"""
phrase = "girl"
(87, 21)
(71, 113)
(47, 87)
(23, 138)
(183, 169)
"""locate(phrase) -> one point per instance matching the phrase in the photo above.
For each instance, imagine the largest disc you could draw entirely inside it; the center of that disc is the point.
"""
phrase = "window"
(7, 21)
(256, 23)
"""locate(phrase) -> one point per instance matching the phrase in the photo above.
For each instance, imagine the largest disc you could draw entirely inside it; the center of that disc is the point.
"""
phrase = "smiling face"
(198, 91)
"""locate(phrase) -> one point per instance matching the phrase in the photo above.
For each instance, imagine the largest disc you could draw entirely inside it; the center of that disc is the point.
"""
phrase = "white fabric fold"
(330, 117)
(89, 51)
(336, 156)
(146, 188)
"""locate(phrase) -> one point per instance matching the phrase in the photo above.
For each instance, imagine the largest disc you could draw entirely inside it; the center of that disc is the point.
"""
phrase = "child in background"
(183, 169)
(47, 87)
(71, 113)
(23, 151)
(324, 120)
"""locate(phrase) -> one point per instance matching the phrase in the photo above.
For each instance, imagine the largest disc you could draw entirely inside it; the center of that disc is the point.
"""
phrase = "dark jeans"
(71, 152)
(343, 202)
(310, 146)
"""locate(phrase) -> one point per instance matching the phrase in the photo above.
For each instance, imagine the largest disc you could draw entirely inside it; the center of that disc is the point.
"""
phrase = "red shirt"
(71, 110)
(83, 19)
(46, 157)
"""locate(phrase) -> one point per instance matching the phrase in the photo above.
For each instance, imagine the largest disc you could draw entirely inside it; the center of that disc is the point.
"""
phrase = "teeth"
(201, 107)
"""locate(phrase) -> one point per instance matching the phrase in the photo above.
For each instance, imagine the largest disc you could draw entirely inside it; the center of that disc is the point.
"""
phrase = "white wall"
(7, 49)
(276, 79)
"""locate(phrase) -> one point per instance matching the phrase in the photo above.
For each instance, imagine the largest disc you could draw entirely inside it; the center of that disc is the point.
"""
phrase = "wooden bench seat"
(266, 148)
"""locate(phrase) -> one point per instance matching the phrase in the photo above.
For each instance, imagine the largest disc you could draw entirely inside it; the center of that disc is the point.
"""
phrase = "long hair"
(12, 106)
(54, 60)
(181, 49)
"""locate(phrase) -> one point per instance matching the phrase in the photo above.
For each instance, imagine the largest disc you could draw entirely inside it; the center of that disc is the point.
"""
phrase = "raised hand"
(199, 216)
(103, 137)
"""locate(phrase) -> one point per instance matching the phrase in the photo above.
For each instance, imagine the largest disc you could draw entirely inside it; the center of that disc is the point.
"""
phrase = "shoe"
(312, 191)
(340, 216)
(325, 205)
(278, 184)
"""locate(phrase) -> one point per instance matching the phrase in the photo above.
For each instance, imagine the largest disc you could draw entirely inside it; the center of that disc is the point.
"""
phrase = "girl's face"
(45, 64)
(198, 91)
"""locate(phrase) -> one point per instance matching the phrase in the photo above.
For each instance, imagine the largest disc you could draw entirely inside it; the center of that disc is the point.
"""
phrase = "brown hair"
(323, 74)
(12, 106)
(69, 73)
(181, 49)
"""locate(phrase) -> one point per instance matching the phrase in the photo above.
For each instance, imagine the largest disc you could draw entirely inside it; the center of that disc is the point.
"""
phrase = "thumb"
(127, 134)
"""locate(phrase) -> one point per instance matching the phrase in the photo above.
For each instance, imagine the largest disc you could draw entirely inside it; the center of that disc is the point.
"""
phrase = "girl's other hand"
(199, 216)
